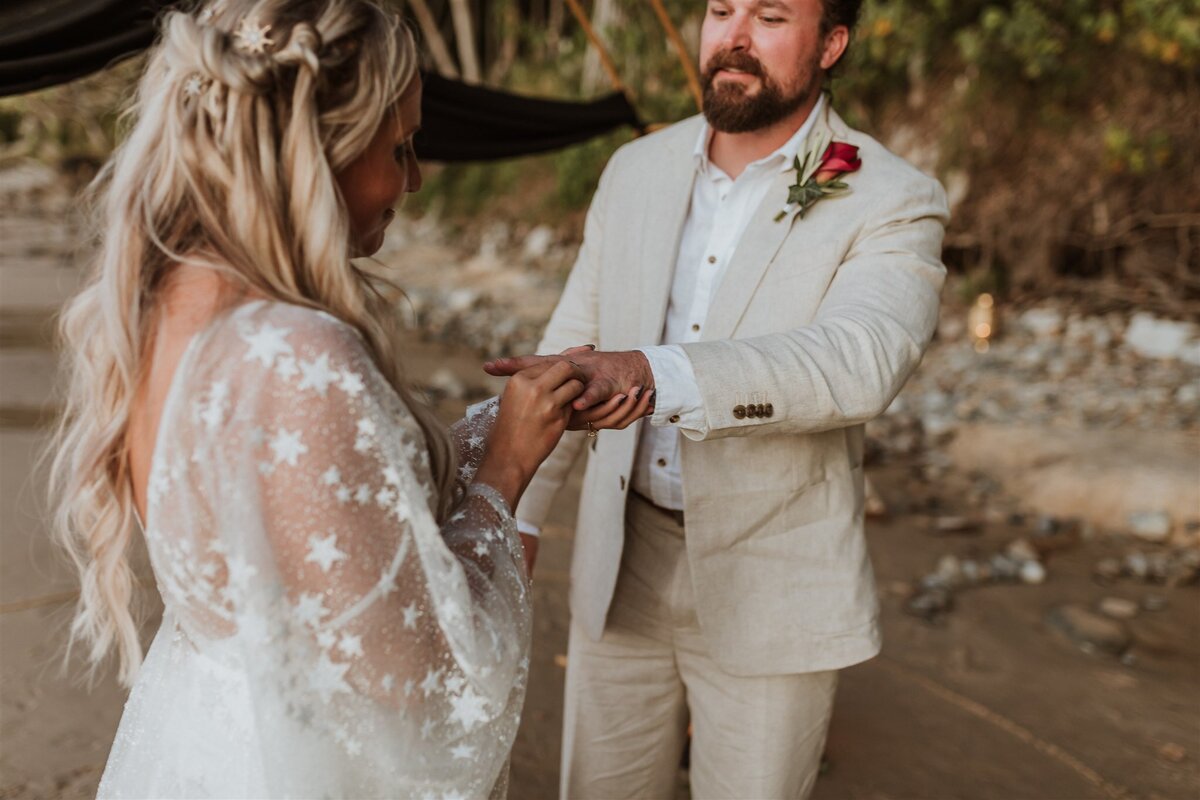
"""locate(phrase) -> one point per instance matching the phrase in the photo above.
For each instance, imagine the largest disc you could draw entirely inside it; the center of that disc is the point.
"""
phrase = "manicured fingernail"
(652, 394)
(620, 398)
(592, 346)
(637, 390)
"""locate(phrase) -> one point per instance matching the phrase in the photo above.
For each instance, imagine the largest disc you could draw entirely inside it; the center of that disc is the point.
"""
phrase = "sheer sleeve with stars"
(352, 645)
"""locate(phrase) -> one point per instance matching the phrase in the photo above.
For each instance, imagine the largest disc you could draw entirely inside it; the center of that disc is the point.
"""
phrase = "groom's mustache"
(733, 59)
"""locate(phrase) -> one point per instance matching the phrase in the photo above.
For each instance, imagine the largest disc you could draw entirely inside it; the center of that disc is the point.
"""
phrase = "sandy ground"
(987, 705)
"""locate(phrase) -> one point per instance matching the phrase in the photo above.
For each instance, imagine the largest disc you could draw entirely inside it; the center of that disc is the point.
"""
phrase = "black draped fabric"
(47, 42)
(473, 123)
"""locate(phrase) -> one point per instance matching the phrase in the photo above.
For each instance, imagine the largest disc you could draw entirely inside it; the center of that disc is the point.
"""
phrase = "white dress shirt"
(720, 210)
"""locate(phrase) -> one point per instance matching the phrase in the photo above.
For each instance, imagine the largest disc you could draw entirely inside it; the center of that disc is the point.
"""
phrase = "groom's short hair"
(839, 12)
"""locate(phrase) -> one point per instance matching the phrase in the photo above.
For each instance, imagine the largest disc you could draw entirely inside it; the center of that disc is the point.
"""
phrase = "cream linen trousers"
(629, 696)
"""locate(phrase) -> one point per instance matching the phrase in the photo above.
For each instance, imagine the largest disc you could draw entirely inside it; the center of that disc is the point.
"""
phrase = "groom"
(720, 571)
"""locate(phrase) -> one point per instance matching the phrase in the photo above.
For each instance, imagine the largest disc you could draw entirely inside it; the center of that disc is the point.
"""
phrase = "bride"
(346, 606)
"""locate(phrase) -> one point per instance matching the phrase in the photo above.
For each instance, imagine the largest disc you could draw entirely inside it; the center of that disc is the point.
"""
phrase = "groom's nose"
(737, 32)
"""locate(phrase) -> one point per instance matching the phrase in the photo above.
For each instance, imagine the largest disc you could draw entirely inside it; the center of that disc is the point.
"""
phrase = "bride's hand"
(617, 413)
(534, 410)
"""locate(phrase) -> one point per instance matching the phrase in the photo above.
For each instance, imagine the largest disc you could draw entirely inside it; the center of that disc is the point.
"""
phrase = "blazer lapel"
(670, 198)
(759, 243)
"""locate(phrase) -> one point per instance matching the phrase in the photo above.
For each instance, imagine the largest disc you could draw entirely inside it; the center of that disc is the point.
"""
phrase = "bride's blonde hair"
(230, 162)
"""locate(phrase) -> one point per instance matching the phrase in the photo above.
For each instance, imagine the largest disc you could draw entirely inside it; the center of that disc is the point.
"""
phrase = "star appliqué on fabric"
(267, 343)
(324, 552)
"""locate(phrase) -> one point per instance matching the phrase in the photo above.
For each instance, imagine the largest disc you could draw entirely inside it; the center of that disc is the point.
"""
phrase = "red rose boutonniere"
(818, 176)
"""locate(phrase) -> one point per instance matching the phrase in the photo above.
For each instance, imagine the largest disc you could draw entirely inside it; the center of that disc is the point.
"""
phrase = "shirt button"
(695, 327)
(712, 259)
(673, 419)
(662, 462)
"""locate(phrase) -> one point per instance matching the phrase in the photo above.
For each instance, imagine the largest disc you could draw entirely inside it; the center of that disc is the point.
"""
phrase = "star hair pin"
(251, 37)
(193, 86)
(207, 14)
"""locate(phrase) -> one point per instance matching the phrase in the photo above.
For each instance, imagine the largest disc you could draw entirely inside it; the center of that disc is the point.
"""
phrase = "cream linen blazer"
(822, 319)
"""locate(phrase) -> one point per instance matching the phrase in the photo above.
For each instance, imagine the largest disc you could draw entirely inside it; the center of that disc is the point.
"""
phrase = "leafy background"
(1067, 132)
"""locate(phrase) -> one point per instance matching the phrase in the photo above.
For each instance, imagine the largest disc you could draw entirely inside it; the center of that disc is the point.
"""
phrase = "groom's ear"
(834, 46)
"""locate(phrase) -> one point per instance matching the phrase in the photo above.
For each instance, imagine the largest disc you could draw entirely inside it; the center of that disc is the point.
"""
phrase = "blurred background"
(1035, 488)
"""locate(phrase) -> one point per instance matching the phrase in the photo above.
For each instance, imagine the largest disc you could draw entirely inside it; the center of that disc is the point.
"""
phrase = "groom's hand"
(607, 374)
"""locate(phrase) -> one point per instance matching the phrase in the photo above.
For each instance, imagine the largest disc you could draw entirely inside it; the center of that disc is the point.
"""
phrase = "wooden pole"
(433, 37)
(605, 59)
(685, 58)
(460, 12)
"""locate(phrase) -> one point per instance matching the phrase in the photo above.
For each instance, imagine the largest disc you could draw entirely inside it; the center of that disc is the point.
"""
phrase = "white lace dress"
(323, 636)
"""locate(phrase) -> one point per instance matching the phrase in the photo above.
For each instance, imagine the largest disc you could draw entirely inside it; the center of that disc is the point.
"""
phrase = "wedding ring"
(592, 432)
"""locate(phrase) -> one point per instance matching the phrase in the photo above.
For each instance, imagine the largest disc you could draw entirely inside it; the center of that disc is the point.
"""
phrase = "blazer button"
(673, 419)
(761, 410)
(751, 411)
(770, 410)
(739, 412)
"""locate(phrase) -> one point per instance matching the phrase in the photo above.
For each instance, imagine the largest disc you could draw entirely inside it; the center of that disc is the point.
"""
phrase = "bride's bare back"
(188, 301)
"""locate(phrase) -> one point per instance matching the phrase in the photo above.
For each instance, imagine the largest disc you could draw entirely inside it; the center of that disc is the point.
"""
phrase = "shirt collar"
(786, 153)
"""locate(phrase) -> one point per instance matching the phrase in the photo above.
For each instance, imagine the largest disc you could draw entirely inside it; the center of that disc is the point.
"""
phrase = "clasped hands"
(618, 388)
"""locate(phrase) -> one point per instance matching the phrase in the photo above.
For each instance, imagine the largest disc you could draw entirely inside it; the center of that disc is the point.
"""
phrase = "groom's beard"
(727, 106)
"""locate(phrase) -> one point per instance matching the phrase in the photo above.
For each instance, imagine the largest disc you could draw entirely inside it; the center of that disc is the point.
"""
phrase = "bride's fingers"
(567, 392)
(580, 420)
(633, 409)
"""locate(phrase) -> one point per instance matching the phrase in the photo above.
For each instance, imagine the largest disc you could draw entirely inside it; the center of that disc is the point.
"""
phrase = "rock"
(949, 570)
(1188, 395)
(930, 604)
(1159, 566)
(538, 242)
(1169, 751)
(1137, 565)
(1091, 331)
(1042, 322)
(1021, 550)
(1153, 526)
(971, 572)
(954, 524)
(932, 581)
(1118, 608)
(951, 328)
(1089, 630)
(494, 239)
(1032, 572)
(1003, 567)
(461, 300)
(445, 381)
(1154, 602)
(1151, 337)
(1108, 570)
(1047, 525)
(874, 507)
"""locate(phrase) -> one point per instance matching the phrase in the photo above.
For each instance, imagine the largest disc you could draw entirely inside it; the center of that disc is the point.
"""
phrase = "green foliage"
(77, 120)
(1125, 151)
(467, 189)
(1054, 44)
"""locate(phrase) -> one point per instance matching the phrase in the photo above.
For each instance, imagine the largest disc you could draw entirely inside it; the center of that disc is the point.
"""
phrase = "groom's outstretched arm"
(842, 369)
